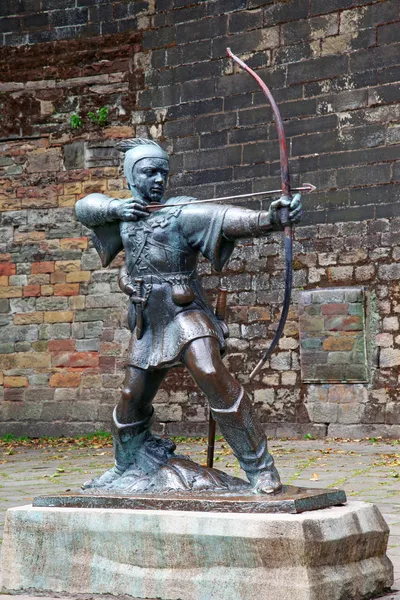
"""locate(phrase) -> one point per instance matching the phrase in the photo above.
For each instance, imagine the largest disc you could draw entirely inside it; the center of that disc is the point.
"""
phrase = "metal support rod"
(211, 440)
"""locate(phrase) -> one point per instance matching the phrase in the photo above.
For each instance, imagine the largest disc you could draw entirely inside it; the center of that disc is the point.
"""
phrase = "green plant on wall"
(100, 116)
(75, 121)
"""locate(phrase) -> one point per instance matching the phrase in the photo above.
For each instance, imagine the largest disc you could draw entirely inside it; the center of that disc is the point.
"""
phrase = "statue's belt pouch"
(182, 294)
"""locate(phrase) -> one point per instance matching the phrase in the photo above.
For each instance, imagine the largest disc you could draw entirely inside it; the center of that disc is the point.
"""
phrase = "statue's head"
(145, 167)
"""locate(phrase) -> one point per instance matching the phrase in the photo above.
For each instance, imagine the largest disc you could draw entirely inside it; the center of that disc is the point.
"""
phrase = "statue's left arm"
(242, 222)
(213, 229)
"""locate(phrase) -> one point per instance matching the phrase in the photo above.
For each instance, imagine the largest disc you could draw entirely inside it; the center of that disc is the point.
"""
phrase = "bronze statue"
(170, 319)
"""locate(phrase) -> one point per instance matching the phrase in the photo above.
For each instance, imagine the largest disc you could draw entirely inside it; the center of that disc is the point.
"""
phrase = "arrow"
(307, 187)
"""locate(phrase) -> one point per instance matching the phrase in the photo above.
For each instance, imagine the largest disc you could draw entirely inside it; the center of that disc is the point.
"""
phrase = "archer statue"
(170, 319)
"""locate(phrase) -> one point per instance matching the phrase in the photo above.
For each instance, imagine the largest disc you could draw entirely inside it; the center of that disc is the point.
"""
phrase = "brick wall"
(160, 69)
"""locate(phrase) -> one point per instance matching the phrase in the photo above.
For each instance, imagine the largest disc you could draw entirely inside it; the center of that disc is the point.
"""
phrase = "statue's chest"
(155, 241)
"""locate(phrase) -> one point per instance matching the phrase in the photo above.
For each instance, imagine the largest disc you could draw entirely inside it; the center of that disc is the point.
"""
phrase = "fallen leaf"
(314, 477)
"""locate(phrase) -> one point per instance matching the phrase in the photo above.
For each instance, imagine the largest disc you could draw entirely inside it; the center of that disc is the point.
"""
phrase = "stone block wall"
(159, 67)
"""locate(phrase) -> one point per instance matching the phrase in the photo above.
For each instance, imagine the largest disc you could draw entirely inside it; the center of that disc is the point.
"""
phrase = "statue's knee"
(127, 394)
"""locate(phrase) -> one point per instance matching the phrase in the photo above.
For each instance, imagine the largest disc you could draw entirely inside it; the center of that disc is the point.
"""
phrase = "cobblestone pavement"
(366, 470)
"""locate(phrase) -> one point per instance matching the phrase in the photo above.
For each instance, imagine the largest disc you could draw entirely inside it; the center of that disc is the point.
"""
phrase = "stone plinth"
(330, 554)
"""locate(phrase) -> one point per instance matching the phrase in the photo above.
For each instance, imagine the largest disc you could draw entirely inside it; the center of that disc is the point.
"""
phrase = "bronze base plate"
(289, 500)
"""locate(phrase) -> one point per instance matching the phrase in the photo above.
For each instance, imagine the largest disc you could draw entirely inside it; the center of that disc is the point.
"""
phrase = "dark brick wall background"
(159, 66)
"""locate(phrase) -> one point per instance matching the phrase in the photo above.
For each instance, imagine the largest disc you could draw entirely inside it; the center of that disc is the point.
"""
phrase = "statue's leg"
(233, 412)
(133, 416)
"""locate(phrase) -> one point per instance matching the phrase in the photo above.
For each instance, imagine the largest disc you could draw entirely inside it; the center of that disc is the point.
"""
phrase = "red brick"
(61, 345)
(66, 289)
(31, 290)
(42, 267)
(335, 309)
(76, 359)
(338, 343)
(343, 323)
(107, 364)
(7, 269)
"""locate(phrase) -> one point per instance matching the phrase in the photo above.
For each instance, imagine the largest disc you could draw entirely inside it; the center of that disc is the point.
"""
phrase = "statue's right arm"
(95, 209)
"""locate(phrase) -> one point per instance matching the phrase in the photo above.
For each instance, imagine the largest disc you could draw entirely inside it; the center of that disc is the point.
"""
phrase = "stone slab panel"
(333, 553)
(333, 335)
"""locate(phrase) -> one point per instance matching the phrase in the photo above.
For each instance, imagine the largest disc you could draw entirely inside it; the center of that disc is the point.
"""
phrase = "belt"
(171, 278)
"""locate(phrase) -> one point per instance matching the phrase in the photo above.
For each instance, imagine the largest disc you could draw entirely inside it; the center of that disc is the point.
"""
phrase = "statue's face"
(150, 178)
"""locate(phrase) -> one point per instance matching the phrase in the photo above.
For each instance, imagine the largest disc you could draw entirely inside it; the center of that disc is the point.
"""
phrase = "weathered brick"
(391, 324)
(390, 272)
(378, 57)
(64, 289)
(384, 340)
(281, 13)
(28, 318)
(67, 266)
(65, 316)
(74, 243)
(78, 276)
(338, 343)
(7, 269)
(31, 290)
(75, 359)
(335, 309)
(42, 267)
(343, 323)
(389, 357)
(46, 290)
(33, 360)
(65, 380)
(61, 345)
(10, 291)
(340, 273)
(15, 382)
(314, 69)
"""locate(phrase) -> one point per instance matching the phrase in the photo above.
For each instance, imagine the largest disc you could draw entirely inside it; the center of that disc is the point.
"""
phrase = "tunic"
(162, 250)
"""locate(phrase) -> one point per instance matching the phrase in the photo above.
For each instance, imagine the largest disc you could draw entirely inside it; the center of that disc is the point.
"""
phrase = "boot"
(134, 445)
(127, 439)
(244, 434)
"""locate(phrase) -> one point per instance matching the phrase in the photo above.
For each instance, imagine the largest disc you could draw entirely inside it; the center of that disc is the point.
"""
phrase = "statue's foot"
(103, 480)
(154, 453)
(150, 456)
(267, 482)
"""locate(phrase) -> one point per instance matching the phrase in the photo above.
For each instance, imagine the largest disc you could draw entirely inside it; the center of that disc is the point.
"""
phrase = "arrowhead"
(310, 187)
